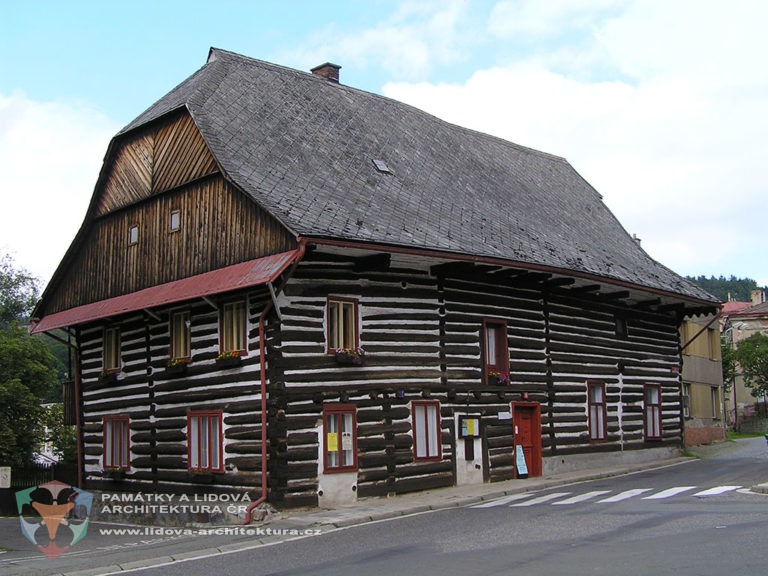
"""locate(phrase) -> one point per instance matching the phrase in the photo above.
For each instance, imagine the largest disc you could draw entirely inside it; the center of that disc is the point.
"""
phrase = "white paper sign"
(5, 476)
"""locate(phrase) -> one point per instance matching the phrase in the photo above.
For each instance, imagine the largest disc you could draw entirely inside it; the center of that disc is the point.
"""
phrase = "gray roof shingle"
(303, 148)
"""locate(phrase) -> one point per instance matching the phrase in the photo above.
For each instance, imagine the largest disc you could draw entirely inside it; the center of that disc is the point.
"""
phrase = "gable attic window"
(175, 221)
(133, 235)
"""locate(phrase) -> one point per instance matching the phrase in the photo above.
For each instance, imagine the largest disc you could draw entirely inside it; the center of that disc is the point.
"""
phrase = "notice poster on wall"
(332, 442)
(522, 467)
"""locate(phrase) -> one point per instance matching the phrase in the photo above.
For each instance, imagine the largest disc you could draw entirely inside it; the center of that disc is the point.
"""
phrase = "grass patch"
(739, 435)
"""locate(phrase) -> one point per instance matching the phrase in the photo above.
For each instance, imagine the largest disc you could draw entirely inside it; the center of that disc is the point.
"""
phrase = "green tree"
(19, 291)
(739, 289)
(53, 430)
(27, 367)
(752, 356)
(729, 364)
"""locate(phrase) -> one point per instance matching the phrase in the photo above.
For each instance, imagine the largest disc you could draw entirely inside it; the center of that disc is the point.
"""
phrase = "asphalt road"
(696, 518)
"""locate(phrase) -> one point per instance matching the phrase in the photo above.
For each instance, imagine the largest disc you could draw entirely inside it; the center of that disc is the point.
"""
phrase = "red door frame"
(535, 465)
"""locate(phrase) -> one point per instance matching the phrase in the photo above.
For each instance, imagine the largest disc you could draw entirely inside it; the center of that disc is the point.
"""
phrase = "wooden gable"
(129, 243)
(160, 158)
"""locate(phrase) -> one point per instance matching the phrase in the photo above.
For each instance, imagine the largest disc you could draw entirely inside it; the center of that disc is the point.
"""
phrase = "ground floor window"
(652, 412)
(116, 442)
(426, 430)
(340, 434)
(205, 441)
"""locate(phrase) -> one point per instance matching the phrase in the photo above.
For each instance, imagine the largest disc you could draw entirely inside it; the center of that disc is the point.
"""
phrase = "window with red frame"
(342, 324)
(652, 394)
(597, 411)
(205, 441)
(340, 438)
(495, 350)
(233, 327)
(426, 430)
(117, 439)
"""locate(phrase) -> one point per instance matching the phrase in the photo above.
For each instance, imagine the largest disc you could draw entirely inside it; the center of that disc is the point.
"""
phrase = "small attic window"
(133, 235)
(175, 221)
(381, 166)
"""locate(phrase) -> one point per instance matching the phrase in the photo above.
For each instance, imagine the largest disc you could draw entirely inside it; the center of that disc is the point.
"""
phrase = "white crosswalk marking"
(624, 495)
(669, 492)
(502, 501)
(542, 499)
(528, 499)
(716, 490)
(581, 498)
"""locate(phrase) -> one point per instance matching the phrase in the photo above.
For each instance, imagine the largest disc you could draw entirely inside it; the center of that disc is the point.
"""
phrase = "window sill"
(108, 377)
(178, 369)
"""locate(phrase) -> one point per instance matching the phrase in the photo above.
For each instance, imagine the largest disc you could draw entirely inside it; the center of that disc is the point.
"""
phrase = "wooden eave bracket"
(210, 303)
(152, 314)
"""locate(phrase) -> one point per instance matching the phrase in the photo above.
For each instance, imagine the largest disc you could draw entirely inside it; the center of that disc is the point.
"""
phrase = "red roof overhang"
(236, 277)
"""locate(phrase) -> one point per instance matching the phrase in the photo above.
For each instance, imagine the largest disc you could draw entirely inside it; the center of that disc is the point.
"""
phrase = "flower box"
(229, 360)
(497, 378)
(351, 356)
(176, 369)
(116, 474)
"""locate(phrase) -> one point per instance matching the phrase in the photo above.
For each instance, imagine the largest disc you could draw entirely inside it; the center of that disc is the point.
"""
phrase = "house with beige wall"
(702, 381)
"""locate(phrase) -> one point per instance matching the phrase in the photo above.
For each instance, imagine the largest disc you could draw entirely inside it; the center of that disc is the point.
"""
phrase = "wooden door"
(526, 418)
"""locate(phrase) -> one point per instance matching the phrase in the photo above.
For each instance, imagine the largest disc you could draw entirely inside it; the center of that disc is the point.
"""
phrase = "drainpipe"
(263, 385)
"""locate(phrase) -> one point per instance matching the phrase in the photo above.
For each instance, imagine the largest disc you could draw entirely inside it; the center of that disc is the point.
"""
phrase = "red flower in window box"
(354, 356)
(496, 378)
(231, 358)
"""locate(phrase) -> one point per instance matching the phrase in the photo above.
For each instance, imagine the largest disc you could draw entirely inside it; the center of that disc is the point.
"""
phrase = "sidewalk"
(116, 553)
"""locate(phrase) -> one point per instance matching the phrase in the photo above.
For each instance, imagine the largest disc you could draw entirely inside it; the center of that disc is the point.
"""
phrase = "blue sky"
(659, 104)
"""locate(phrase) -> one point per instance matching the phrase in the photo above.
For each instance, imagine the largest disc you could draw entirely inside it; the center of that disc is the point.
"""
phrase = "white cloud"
(50, 157)
(534, 19)
(409, 43)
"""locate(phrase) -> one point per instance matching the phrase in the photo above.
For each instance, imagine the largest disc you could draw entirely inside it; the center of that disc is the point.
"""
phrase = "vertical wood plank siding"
(219, 227)
(157, 402)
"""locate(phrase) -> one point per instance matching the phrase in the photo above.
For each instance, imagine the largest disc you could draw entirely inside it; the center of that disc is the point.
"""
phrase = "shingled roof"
(304, 149)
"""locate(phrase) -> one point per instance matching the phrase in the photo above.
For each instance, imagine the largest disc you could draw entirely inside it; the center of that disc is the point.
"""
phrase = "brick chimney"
(328, 71)
(758, 297)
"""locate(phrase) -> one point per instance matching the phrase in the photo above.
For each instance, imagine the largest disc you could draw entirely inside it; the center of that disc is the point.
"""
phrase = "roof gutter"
(263, 384)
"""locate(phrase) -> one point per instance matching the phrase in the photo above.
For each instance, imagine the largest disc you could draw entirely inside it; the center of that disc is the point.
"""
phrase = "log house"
(287, 286)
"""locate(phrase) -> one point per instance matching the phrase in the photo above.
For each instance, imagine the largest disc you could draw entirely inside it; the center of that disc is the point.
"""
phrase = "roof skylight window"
(381, 166)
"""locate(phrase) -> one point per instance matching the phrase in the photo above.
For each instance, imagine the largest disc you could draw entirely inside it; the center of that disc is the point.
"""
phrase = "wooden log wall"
(422, 338)
(157, 403)
(584, 347)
